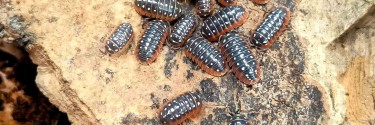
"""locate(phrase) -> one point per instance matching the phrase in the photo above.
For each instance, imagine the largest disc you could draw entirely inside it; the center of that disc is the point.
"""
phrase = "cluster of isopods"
(234, 50)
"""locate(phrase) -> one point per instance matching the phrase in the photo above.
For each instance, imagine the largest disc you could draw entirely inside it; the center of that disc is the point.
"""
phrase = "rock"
(304, 80)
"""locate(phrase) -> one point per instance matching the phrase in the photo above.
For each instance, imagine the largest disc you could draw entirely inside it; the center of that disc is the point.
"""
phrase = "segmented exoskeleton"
(153, 38)
(167, 10)
(223, 21)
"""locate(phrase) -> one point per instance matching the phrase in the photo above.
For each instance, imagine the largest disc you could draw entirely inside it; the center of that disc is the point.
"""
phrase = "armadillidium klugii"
(182, 30)
(228, 2)
(260, 1)
(223, 21)
(239, 57)
(167, 10)
(205, 55)
(179, 109)
(153, 38)
(271, 28)
(119, 39)
(204, 7)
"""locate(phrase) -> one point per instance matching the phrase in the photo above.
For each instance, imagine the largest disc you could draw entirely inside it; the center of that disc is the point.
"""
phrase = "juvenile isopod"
(167, 10)
(119, 39)
(151, 42)
(271, 28)
(182, 30)
(205, 55)
(181, 108)
(239, 57)
(223, 21)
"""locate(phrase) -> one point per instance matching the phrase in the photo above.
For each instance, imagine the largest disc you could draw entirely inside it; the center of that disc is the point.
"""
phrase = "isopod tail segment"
(260, 1)
(236, 117)
(223, 21)
(271, 28)
(238, 56)
(151, 42)
(204, 8)
(228, 2)
(118, 41)
(205, 55)
(185, 106)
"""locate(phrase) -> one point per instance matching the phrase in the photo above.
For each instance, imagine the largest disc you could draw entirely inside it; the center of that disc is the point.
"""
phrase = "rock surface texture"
(320, 71)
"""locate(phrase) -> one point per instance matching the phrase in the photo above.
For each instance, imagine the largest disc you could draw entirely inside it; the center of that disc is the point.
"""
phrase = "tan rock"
(97, 89)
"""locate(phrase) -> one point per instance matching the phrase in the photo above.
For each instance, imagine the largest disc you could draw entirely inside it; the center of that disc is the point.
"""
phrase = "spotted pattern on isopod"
(239, 57)
(180, 108)
(238, 119)
(223, 21)
(271, 28)
(119, 38)
(167, 10)
(182, 30)
(205, 55)
(151, 42)
(204, 7)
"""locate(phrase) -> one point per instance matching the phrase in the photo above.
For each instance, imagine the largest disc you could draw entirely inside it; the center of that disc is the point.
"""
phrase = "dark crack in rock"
(221, 115)
(208, 120)
(283, 92)
(192, 65)
(132, 119)
(210, 90)
(233, 86)
(155, 101)
(169, 62)
(189, 74)
(167, 88)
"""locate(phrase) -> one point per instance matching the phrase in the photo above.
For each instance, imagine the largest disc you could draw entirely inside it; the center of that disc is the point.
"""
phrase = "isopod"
(205, 55)
(153, 38)
(167, 10)
(119, 38)
(179, 109)
(239, 57)
(182, 30)
(204, 7)
(271, 28)
(238, 119)
(223, 21)
(228, 2)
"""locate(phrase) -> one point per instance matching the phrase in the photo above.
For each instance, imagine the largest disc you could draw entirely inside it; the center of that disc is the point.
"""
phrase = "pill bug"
(271, 28)
(238, 119)
(167, 10)
(119, 38)
(239, 57)
(260, 1)
(228, 2)
(205, 55)
(223, 21)
(182, 30)
(151, 42)
(204, 7)
(179, 109)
